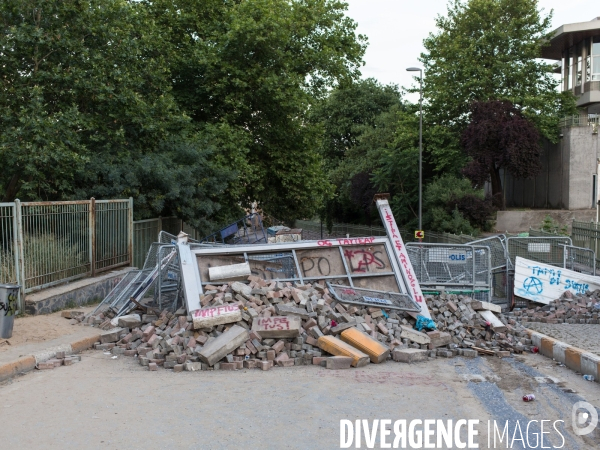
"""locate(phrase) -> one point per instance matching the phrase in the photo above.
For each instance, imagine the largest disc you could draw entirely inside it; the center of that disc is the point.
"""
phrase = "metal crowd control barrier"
(547, 250)
(502, 270)
(579, 259)
(456, 268)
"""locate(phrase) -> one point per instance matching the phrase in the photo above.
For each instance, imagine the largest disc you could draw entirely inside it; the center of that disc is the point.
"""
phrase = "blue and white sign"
(448, 256)
(543, 283)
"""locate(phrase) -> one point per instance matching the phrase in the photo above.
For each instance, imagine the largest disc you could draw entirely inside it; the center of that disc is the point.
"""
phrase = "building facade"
(570, 175)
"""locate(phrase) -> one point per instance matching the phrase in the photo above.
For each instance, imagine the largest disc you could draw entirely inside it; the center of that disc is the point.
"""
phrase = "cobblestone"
(584, 336)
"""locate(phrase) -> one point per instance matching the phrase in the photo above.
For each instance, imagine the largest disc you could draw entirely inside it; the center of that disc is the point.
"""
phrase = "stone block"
(441, 340)
(215, 350)
(414, 336)
(111, 335)
(409, 355)
(277, 326)
(264, 365)
(152, 366)
(287, 310)
(338, 362)
(130, 321)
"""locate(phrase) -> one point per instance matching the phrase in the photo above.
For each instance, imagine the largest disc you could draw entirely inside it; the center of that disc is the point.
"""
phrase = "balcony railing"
(580, 120)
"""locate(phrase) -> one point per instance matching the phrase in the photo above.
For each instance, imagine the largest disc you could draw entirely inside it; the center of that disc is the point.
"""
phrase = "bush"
(452, 205)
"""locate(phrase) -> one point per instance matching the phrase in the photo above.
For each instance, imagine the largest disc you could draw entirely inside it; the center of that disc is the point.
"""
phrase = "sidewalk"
(38, 338)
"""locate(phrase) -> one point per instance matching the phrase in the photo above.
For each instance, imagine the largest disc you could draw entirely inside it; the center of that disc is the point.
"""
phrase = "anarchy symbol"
(533, 284)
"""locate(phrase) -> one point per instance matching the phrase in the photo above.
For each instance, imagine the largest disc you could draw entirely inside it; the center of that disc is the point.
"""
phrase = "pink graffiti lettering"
(356, 241)
(390, 220)
(366, 259)
(349, 291)
(325, 243)
(274, 323)
(215, 311)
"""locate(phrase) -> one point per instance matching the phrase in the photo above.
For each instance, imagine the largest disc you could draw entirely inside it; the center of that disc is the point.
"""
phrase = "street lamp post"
(416, 69)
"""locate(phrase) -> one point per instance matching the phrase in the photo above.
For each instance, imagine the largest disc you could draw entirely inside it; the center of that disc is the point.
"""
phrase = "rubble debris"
(570, 308)
(285, 324)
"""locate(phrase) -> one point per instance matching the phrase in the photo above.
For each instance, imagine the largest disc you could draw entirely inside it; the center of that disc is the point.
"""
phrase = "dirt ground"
(35, 329)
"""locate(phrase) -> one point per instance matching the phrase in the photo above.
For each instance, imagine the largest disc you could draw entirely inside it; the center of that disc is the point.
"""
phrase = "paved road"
(585, 337)
(104, 403)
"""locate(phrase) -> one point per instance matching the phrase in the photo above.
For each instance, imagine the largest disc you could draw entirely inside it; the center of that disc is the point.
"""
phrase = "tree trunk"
(497, 191)
(10, 193)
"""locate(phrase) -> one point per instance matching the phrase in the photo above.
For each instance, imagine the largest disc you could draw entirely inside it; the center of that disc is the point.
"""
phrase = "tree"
(348, 113)
(258, 66)
(487, 50)
(79, 78)
(500, 137)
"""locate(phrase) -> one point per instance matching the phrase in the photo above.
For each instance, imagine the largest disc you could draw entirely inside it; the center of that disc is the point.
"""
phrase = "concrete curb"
(574, 358)
(28, 363)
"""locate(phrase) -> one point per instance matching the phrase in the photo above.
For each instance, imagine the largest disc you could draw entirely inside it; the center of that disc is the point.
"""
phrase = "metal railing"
(9, 255)
(63, 241)
(312, 230)
(43, 244)
(579, 120)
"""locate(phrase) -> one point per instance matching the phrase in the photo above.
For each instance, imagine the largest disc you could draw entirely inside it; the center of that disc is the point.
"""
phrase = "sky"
(396, 29)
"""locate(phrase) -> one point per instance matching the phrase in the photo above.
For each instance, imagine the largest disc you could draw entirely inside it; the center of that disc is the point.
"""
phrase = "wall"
(566, 178)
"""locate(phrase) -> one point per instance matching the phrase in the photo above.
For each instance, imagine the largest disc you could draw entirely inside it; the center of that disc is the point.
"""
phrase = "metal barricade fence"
(501, 269)
(454, 268)
(547, 250)
(579, 259)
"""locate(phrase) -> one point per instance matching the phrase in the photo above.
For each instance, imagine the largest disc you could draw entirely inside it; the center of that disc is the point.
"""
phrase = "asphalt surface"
(115, 403)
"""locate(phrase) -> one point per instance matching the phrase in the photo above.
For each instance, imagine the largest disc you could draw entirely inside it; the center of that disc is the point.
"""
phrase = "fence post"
(130, 224)
(92, 220)
(160, 228)
(20, 249)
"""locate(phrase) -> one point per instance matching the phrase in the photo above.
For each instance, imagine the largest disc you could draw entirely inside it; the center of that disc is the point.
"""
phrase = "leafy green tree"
(258, 66)
(349, 113)
(81, 80)
(487, 50)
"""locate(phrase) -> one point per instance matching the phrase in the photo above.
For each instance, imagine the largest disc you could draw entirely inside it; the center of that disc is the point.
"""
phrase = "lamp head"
(413, 69)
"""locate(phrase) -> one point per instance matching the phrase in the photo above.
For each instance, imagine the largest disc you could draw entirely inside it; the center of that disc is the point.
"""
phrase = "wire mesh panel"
(547, 250)
(112, 229)
(8, 244)
(586, 235)
(460, 268)
(580, 259)
(56, 242)
(144, 234)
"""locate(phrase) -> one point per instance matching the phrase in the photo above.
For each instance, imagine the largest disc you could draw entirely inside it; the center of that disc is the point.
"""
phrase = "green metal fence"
(586, 235)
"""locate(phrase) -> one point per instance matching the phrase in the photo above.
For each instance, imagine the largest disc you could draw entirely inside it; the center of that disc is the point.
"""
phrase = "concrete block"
(110, 335)
(130, 321)
(152, 367)
(287, 310)
(277, 326)
(442, 339)
(479, 306)
(338, 362)
(216, 315)
(337, 347)
(215, 350)
(414, 336)
(192, 366)
(409, 355)
(264, 365)
(468, 353)
(178, 368)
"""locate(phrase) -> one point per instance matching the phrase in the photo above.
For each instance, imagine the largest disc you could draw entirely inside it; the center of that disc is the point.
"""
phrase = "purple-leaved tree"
(500, 137)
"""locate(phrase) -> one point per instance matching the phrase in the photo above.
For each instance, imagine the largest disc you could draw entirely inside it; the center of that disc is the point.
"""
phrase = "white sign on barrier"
(543, 283)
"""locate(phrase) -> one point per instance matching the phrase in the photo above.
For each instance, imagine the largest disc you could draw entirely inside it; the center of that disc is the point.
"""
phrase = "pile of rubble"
(570, 308)
(263, 324)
